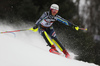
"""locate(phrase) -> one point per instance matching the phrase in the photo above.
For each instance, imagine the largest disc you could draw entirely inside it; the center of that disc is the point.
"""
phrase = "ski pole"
(13, 31)
(83, 29)
(77, 28)
(34, 30)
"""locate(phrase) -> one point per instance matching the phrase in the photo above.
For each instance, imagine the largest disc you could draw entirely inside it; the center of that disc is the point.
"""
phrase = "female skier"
(45, 27)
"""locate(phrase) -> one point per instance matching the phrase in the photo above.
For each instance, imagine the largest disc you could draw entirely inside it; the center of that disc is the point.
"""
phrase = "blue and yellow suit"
(46, 29)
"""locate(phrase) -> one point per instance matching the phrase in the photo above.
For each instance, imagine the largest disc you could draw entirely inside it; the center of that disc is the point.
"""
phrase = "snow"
(29, 49)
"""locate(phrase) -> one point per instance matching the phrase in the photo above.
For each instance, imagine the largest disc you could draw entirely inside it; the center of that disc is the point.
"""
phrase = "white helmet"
(54, 6)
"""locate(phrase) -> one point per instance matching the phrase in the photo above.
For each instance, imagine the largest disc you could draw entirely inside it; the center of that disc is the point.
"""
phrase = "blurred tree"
(27, 10)
(33, 9)
(90, 17)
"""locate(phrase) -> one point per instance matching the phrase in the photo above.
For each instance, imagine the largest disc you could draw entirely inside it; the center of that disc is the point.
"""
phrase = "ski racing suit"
(46, 29)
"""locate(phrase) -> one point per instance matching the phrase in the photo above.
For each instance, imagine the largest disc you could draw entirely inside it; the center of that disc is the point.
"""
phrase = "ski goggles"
(54, 11)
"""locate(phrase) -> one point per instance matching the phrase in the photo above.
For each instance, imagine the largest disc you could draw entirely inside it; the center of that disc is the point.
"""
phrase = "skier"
(45, 28)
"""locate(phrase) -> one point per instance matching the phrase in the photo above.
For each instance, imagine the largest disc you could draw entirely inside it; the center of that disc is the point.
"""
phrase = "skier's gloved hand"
(76, 27)
(34, 29)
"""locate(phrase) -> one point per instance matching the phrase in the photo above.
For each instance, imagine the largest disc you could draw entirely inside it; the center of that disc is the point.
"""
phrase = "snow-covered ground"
(29, 49)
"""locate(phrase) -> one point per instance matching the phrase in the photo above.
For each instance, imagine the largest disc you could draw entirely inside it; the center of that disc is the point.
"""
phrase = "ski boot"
(66, 54)
(54, 50)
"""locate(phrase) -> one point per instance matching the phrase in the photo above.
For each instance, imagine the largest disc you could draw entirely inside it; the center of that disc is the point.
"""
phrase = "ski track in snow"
(29, 49)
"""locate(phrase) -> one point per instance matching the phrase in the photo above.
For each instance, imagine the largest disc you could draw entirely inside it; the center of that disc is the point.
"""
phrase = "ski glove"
(76, 27)
(34, 29)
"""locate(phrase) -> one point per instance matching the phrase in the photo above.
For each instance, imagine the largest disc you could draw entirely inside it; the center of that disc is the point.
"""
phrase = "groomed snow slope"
(29, 49)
